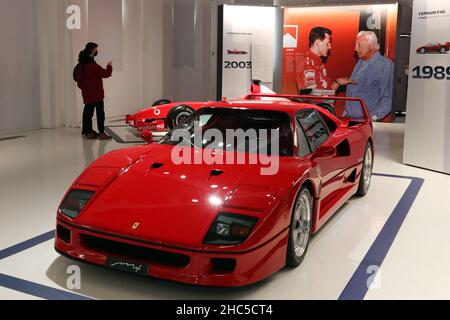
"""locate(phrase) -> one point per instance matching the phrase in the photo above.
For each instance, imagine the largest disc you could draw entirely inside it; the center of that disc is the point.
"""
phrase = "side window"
(331, 125)
(315, 130)
(303, 145)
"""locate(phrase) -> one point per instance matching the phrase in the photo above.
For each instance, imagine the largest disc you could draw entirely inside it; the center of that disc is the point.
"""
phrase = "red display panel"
(345, 23)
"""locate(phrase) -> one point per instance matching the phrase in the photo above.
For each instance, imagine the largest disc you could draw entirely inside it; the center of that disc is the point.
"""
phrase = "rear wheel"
(366, 174)
(177, 115)
(442, 50)
(300, 229)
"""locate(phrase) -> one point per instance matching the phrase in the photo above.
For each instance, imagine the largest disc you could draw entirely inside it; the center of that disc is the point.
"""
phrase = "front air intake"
(220, 265)
(132, 252)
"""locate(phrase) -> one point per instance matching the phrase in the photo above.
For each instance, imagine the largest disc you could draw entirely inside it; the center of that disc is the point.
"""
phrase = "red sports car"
(434, 47)
(138, 211)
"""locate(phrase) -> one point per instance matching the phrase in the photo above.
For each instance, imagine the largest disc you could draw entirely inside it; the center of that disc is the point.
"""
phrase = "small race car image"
(239, 52)
(435, 47)
(225, 225)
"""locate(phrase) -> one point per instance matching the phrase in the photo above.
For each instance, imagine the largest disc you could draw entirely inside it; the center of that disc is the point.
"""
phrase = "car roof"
(284, 106)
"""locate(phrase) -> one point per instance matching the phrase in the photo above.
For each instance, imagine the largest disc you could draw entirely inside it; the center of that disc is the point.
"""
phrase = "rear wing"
(309, 99)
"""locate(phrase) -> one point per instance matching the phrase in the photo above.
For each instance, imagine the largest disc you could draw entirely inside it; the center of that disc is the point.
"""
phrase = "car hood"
(168, 203)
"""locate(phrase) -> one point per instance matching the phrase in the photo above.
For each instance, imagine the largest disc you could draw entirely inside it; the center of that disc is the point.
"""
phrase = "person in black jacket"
(89, 77)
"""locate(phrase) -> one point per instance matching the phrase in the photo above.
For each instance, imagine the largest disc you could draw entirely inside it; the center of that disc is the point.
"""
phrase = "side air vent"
(353, 123)
(343, 149)
(352, 177)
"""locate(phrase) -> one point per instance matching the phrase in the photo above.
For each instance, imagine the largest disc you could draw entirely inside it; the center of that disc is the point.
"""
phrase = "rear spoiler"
(299, 98)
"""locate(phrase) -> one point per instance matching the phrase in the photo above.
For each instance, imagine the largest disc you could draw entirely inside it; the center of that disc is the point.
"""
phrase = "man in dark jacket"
(89, 76)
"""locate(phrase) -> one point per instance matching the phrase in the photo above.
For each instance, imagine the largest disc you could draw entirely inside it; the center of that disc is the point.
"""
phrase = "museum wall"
(188, 50)
(38, 53)
(137, 82)
(19, 72)
(128, 33)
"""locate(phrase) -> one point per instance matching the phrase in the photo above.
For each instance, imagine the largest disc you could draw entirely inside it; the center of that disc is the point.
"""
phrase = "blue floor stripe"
(38, 290)
(358, 285)
(26, 244)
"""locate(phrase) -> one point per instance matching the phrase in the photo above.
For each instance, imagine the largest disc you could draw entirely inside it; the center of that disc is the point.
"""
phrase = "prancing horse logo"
(135, 225)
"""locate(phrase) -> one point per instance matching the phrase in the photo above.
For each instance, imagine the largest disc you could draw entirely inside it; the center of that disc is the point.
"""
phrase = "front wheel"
(422, 51)
(300, 229)
(177, 115)
(366, 173)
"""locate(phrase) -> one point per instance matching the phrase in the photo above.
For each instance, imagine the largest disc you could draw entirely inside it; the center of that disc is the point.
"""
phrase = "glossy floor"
(35, 171)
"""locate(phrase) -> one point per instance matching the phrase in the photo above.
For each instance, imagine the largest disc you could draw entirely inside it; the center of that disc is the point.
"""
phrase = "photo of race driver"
(313, 73)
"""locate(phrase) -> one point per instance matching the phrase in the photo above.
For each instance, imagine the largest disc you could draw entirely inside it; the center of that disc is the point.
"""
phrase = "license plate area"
(127, 266)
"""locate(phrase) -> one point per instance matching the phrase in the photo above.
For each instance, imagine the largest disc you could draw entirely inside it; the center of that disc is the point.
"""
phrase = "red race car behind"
(138, 211)
(165, 115)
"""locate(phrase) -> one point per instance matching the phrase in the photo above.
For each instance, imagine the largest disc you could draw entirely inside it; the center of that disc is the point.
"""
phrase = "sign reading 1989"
(429, 72)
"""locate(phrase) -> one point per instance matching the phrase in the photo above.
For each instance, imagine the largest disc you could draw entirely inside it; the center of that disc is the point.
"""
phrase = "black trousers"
(88, 113)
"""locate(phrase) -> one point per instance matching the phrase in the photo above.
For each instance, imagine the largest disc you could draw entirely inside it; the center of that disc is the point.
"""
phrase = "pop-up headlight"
(229, 229)
(75, 201)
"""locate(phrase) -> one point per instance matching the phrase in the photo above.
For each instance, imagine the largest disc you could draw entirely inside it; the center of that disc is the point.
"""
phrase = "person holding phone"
(89, 77)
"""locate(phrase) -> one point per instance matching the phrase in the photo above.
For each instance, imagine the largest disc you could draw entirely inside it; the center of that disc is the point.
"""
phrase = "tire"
(328, 107)
(423, 50)
(366, 173)
(300, 229)
(178, 115)
(161, 102)
(442, 50)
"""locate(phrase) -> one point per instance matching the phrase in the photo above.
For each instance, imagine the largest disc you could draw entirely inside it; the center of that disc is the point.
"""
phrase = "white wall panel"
(19, 73)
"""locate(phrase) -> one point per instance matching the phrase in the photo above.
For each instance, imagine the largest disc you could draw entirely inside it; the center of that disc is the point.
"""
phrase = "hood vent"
(216, 173)
(156, 165)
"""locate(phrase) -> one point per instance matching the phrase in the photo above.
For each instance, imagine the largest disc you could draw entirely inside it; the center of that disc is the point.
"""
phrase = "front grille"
(133, 252)
(63, 234)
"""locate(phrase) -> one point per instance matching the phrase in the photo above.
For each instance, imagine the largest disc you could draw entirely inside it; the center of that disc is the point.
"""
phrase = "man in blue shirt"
(374, 76)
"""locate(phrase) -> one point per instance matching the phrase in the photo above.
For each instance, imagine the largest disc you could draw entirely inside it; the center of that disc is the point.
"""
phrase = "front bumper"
(154, 125)
(188, 266)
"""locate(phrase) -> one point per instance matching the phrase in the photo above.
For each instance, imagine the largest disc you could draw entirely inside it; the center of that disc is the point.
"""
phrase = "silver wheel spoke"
(367, 174)
(301, 227)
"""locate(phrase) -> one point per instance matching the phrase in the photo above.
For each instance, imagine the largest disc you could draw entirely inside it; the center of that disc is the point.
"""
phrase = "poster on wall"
(427, 134)
(334, 64)
(246, 49)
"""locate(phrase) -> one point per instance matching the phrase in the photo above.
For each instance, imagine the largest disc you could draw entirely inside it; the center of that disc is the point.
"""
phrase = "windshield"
(232, 129)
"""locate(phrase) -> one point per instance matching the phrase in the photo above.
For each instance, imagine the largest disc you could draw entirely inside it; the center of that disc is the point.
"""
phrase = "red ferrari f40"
(220, 223)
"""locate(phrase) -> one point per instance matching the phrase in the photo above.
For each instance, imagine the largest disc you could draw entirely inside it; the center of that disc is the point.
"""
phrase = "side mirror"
(325, 152)
(147, 136)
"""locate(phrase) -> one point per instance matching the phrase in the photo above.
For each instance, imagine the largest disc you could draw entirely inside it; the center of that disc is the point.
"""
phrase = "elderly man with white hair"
(373, 75)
